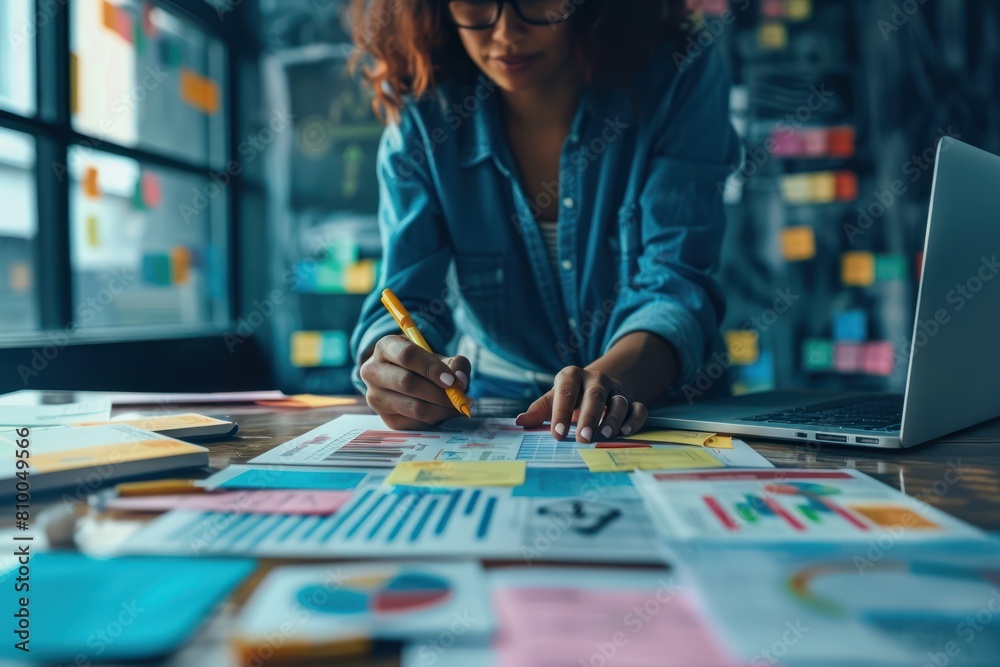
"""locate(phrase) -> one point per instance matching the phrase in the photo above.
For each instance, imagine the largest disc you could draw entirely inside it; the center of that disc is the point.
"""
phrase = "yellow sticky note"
(308, 401)
(19, 277)
(797, 188)
(199, 92)
(626, 460)
(74, 83)
(93, 231)
(743, 347)
(773, 35)
(857, 268)
(798, 10)
(306, 349)
(458, 473)
(180, 265)
(695, 438)
(823, 187)
(798, 243)
(161, 423)
(360, 277)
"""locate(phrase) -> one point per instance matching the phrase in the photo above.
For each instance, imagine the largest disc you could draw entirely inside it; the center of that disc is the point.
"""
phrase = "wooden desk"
(962, 478)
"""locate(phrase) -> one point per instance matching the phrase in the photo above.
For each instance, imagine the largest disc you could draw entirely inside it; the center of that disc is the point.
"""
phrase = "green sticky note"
(817, 354)
(890, 267)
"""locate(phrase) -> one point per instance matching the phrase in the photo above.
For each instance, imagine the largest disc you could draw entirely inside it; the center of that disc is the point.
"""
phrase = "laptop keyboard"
(864, 414)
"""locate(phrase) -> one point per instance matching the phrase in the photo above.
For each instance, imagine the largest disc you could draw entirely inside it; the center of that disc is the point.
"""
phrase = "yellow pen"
(410, 330)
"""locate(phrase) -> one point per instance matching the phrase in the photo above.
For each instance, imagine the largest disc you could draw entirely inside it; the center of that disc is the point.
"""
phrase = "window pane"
(147, 245)
(18, 225)
(146, 78)
(17, 57)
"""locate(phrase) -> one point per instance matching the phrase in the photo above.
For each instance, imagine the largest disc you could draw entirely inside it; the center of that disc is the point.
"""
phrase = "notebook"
(88, 457)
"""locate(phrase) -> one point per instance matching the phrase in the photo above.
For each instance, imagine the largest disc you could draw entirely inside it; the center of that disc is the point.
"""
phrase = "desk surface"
(959, 477)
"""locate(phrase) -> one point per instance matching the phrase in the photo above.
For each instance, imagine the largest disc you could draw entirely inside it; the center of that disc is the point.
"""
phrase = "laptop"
(953, 372)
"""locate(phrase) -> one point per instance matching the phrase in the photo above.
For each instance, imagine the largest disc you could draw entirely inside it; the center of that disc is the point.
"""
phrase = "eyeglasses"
(483, 14)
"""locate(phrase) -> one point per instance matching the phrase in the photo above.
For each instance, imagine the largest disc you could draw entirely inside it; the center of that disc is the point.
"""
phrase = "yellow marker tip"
(465, 410)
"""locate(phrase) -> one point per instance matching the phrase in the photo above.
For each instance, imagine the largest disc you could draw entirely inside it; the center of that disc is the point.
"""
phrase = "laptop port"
(800, 434)
(866, 441)
(827, 437)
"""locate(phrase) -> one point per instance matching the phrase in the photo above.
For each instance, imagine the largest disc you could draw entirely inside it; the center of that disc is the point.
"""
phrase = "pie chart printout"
(377, 594)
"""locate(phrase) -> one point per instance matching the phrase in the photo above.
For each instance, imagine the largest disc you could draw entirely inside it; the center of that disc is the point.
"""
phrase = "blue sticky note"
(851, 325)
(84, 610)
(566, 482)
(334, 480)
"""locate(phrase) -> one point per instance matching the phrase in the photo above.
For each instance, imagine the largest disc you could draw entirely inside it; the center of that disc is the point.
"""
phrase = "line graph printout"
(363, 440)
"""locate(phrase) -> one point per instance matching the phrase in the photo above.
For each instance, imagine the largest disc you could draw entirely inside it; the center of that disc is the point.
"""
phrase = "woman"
(550, 197)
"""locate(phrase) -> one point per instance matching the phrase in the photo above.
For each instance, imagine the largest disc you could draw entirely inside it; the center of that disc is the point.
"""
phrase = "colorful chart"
(802, 489)
(381, 594)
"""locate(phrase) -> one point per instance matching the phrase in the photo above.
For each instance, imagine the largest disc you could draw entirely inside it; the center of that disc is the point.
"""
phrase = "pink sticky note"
(152, 193)
(847, 357)
(247, 502)
(786, 143)
(580, 626)
(879, 358)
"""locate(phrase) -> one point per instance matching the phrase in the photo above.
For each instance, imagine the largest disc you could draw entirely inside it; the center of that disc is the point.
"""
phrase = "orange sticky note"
(743, 347)
(74, 85)
(19, 277)
(180, 265)
(109, 16)
(199, 92)
(847, 185)
(91, 185)
(798, 243)
(857, 268)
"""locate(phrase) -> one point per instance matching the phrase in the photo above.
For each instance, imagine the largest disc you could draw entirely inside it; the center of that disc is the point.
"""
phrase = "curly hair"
(408, 47)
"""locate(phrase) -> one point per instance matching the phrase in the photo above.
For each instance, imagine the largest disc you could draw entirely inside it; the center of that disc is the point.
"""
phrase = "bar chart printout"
(780, 504)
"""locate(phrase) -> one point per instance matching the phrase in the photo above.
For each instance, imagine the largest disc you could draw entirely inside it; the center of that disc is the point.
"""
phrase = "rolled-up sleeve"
(681, 222)
(416, 248)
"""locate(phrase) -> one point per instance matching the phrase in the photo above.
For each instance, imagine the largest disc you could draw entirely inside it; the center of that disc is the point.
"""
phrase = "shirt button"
(568, 202)
(567, 265)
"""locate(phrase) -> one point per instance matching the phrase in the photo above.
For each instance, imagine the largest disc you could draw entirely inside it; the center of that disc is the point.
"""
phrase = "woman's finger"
(565, 393)
(402, 352)
(593, 399)
(636, 418)
(614, 416)
(387, 402)
(538, 412)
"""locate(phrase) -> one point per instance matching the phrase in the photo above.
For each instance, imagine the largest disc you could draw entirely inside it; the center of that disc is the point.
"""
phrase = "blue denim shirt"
(640, 222)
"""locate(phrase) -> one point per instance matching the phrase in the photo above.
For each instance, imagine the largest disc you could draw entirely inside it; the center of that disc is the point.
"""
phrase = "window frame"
(52, 129)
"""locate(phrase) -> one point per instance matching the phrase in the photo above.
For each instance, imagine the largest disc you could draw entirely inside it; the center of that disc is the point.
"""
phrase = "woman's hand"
(406, 383)
(605, 410)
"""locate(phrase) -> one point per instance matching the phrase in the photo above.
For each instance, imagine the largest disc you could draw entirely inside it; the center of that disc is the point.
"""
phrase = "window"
(116, 122)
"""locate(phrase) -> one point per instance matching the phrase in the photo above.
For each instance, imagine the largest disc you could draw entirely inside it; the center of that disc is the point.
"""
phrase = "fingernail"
(463, 378)
(448, 379)
(517, 419)
(626, 429)
(606, 432)
(561, 429)
(586, 432)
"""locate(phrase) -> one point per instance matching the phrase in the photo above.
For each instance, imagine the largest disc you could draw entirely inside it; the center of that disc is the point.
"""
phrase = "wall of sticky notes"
(18, 229)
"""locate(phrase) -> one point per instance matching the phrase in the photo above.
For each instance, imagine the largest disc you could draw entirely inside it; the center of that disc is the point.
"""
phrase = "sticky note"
(786, 143)
(798, 243)
(798, 10)
(152, 192)
(93, 231)
(817, 354)
(19, 277)
(566, 483)
(306, 349)
(772, 9)
(743, 346)
(458, 473)
(180, 265)
(878, 358)
(797, 188)
(675, 437)
(714, 7)
(199, 92)
(890, 267)
(74, 83)
(814, 142)
(823, 187)
(846, 185)
(857, 268)
(773, 35)
(283, 501)
(307, 401)
(334, 480)
(138, 203)
(841, 141)
(894, 516)
(90, 184)
(627, 460)
(360, 277)
(851, 325)
(156, 269)
(148, 27)
(333, 349)
(847, 357)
